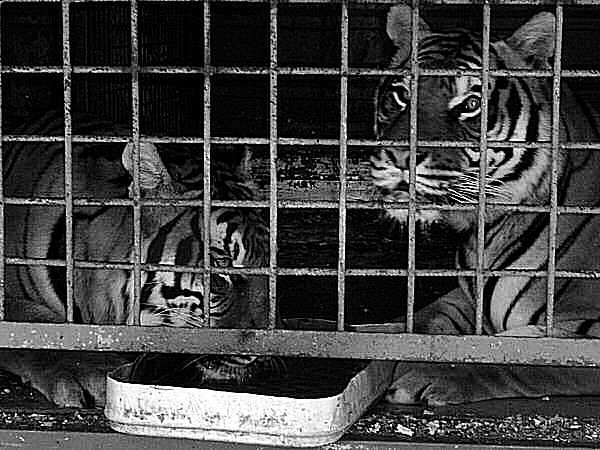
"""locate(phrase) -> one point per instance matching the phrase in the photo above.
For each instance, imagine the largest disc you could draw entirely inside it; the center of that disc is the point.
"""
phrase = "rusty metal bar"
(2, 223)
(342, 218)
(552, 227)
(595, 146)
(380, 2)
(304, 271)
(206, 195)
(273, 144)
(28, 138)
(133, 316)
(302, 204)
(462, 144)
(412, 165)
(405, 347)
(243, 70)
(68, 161)
(483, 167)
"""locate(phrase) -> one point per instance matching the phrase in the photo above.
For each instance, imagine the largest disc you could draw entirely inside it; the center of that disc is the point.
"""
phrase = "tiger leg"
(437, 384)
(442, 384)
(68, 379)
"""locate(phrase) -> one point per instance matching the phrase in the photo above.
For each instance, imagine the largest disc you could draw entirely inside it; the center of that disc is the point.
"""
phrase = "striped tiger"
(520, 112)
(170, 236)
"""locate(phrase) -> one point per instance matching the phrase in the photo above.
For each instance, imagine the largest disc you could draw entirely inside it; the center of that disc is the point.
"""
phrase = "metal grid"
(408, 346)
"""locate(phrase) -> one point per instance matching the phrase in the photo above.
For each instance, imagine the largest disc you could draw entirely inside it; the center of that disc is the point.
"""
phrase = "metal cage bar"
(553, 225)
(134, 306)
(412, 166)
(242, 70)
(289, 141)
(300, 204)
(206, 195)
(2, 260)
(346, 344)
(483, 168)
(380, 2)
(273, 149)
(68, 161)
(343, 192)
(308, 271)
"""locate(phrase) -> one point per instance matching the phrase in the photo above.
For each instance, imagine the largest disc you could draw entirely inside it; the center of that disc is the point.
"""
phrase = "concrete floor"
(541, 423)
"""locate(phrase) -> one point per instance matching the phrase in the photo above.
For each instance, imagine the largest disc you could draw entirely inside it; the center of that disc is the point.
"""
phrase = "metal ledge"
(405, 347)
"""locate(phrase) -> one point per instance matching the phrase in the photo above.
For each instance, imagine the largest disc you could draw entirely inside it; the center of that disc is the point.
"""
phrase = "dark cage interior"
(170, 34)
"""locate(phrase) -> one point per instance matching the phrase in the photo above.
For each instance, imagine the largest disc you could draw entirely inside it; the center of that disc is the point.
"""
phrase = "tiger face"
(177, 298)
(175, 237)
(449, 109)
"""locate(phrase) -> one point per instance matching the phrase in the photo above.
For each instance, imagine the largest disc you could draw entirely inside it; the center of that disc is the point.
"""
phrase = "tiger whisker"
(461, 197)
(474, 182)
(474, 194)
(469, 183)
(189, 319)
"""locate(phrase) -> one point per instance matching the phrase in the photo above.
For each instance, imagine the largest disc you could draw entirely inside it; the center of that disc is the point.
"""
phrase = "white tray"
(208, 414)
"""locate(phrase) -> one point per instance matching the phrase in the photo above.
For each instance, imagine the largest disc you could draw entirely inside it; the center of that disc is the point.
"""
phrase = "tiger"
(519, 113)
(170, 236)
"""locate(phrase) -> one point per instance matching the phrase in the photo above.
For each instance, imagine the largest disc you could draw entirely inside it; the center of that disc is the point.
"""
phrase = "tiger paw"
(66, 390)
(438, 385)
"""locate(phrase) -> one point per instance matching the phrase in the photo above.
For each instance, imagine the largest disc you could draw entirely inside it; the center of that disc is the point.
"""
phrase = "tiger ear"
(153, 173)
(399, 21)
(534, 40)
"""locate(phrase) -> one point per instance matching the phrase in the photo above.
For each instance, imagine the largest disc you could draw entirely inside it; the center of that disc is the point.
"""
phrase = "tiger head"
(174, 236)
(449, 109)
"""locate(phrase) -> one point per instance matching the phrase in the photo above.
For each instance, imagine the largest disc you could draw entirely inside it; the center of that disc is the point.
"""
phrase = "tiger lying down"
(170, 235)
(520, 111)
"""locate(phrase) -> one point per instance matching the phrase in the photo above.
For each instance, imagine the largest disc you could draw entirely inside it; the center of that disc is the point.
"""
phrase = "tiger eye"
(472, 103)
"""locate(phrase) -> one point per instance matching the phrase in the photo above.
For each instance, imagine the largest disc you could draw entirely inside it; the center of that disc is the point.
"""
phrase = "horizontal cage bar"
(213, 70)
(291, 141)
(302, 204)
(378, 2)
(401, 346)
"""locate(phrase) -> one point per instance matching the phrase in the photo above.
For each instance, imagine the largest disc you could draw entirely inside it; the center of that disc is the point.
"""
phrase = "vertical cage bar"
(552, 227)
(2, 223)
(343, 168)
(206, 198)
(412, 165)
(133, 316)
(483, 167)
(68, 159)
(273, 135)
